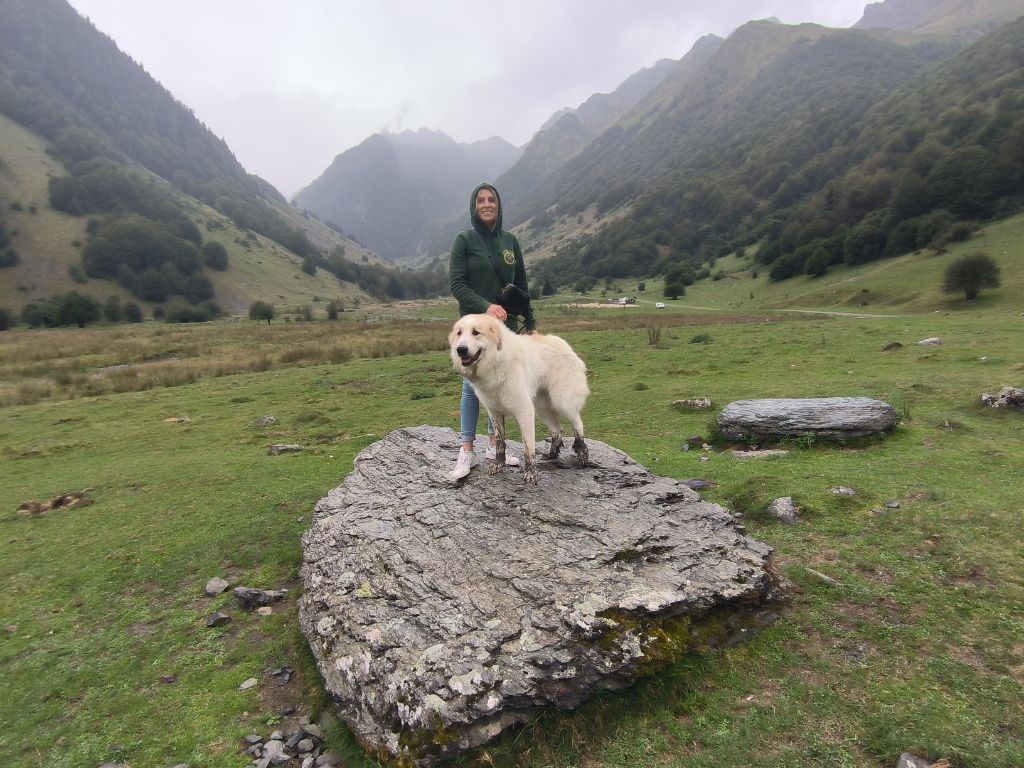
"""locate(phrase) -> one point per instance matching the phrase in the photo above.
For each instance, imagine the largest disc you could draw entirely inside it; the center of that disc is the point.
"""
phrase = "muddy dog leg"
(498, 422)
(528, 427)
(550, 420)
(579, 445)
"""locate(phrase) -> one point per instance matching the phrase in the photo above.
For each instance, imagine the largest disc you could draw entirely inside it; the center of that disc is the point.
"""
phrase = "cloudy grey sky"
(289, 85)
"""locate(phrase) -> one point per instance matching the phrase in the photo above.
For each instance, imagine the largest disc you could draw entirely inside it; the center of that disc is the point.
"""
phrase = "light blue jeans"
(469, 414)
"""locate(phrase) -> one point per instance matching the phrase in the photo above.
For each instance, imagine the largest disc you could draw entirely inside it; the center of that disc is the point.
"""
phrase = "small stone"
(698, 484)
(215, 586)
(327, 758)
(783, 509)
(265, 610)
(278, 448)
(180, 765)
(842, 490)
(306, 745)
(253, 738)
(308, 762)
(697, 403)
(313, 730)
(250, 598)
(695, 441)
(277, 736)
(265, 421)
(892, 345)
(705, 458)
(285, 711)
(766, 453)
(168, 679)
(252, 682)
(178, 420)
(218, 619)
(892, 505)
(933, 341)
(910, 760)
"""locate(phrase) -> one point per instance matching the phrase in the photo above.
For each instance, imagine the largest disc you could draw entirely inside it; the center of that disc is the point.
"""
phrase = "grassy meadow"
(905, 630)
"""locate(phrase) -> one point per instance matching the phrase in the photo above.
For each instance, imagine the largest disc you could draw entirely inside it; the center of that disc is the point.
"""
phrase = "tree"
(132, 312)
(333, 307)
(261, 310)
(970, 274)
(74, 308)
(548, 289)
(674, 290)
(6, 319)
(215, 255)
(198, 289)
(112, 311)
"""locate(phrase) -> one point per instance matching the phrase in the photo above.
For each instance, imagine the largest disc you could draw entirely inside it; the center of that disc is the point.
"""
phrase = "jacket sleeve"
(520, 280)
(469, 300)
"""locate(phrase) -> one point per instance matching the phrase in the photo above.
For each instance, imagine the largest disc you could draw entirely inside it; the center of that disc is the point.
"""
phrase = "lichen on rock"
(440, 614)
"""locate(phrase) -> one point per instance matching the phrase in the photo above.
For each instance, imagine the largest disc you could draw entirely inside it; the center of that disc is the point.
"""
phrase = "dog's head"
(473, 337)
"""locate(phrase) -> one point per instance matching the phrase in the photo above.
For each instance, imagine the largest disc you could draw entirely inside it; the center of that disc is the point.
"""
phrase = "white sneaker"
(463, 464)
(510, 460)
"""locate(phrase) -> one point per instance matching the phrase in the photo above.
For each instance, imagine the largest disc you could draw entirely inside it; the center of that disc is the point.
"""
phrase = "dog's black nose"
(462, 350)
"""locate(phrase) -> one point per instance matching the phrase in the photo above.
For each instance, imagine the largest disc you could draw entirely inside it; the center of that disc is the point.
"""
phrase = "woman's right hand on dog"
(497, 312)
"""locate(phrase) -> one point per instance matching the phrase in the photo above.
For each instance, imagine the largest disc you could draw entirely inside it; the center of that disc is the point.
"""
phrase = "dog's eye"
(476, 332)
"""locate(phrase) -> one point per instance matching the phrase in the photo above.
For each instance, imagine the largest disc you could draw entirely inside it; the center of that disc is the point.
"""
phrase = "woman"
(483, 260)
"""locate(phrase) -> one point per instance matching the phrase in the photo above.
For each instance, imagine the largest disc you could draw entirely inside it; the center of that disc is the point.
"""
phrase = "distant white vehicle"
(660, 305)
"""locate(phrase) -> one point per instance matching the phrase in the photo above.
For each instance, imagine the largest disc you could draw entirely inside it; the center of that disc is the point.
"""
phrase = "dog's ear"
(493, 331)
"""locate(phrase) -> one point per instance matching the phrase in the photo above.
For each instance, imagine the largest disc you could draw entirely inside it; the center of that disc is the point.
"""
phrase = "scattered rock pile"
(302, 748)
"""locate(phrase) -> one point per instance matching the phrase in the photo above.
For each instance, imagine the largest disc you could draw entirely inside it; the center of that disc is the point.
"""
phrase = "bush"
(185, 313)
(6, 319)
(333, 308)
(112, 311)
(261, 310)
(215, 255)
(76, 274)
(198, 289)
(9, 258)
(131, 312)
(970, 274)
(38, 314)
(74, 308)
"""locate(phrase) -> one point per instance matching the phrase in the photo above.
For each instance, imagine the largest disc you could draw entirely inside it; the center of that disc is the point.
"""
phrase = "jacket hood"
(478, 225)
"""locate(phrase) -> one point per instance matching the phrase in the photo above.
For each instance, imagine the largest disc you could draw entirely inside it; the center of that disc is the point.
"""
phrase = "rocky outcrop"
(824, 418)
(441, 613)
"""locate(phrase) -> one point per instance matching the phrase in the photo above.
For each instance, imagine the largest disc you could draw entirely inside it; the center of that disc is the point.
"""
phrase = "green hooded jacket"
(476, 254)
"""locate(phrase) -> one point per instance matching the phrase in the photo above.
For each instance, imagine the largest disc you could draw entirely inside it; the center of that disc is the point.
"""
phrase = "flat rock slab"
(441, 613)
(825, 418)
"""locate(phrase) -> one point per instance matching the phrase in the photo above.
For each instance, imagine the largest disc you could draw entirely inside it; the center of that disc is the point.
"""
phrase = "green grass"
(911, 641)
(916, 645)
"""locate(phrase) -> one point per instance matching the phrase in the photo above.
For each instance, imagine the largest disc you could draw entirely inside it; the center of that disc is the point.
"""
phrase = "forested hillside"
(119, 136)
(810, 142)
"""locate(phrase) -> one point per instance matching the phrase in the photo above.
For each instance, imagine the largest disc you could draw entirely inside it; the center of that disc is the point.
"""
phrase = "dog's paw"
(530, 477)
(497, 469)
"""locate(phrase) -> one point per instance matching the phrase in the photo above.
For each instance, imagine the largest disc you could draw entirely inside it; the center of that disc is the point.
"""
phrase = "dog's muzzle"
(464, 357)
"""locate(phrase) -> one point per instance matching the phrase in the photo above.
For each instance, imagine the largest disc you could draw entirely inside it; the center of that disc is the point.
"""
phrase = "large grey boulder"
(441, 613)
(825, 418)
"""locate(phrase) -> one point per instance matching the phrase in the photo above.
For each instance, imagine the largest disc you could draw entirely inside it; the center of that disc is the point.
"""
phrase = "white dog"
(522, 376)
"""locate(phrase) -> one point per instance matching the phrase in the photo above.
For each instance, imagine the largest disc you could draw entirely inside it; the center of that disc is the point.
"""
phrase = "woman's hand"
(497, 312)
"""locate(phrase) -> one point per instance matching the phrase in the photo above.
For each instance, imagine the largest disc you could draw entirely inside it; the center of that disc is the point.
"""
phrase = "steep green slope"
(49, 241)
(824, 145)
